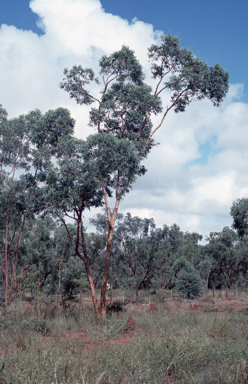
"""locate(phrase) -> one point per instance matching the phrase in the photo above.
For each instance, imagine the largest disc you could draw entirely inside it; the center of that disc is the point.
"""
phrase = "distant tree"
(225, 260)
(27, 144)
(137, 248)
(239, 213)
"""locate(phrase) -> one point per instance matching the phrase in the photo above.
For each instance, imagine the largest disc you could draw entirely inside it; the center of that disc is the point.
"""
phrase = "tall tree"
(122, 117)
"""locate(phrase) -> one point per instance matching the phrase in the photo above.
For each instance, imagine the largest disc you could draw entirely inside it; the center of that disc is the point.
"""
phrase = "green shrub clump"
(189, 284)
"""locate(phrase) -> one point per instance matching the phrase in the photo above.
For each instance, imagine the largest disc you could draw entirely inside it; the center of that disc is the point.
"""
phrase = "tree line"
(42, 256)
(48, 177)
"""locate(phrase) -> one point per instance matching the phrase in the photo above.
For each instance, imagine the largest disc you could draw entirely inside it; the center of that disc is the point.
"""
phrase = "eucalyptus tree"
(14, 148)
(100, 221)
(137, 246)
(27, 144)
(224, 257)
(239, 213)
(124, 108)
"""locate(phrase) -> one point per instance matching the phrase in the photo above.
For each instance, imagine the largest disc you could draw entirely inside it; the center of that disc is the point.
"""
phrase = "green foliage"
(189, 284)
(239, 213)
(226, 257)
(29, 281)
(182, 263)
(191, 79)
(71, 280)
(59, 175)
(25, 325)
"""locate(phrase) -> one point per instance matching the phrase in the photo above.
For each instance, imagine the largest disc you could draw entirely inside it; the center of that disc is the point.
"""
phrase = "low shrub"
(115, 307)
(189, 284)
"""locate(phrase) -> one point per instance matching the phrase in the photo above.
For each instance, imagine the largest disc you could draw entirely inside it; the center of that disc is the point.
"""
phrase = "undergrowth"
(42, 345)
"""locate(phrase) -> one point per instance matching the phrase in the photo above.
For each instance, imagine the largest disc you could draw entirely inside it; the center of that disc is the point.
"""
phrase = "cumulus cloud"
(183, 184)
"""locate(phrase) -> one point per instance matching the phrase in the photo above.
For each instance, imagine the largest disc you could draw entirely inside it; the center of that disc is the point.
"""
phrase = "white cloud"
(178, 186)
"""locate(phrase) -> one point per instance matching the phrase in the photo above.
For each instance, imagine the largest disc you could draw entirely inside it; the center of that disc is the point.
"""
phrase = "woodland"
(48, 178)
(65, 289)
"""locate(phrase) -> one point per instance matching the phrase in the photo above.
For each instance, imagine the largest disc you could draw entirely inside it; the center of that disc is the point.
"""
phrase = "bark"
(92, 289)
(84, 257)
(6, 253)
(106, 273)
(23, 270)
(86, 264)
(230, 277)
(111, 294)
(137, 293)
(60, 264)
(42, 282)
(13, 282)
(111, 223)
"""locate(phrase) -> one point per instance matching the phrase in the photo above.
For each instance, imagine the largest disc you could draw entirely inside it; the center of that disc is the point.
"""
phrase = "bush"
(116, 306)
(189, 284)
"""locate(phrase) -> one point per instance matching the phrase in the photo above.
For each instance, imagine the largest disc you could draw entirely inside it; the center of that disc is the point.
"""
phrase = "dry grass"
(175, 344)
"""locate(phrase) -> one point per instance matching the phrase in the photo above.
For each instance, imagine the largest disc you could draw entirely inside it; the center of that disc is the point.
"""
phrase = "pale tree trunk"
(90, 280)
(86, 264)
(111, 223)
(92, 289)
(91, 283)
(106, 273)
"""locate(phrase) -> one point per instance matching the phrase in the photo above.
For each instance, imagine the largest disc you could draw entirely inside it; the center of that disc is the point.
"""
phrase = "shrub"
(189, 284)
(116, 306)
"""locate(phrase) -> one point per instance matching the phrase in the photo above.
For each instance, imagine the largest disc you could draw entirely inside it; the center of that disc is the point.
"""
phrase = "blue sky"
(215, 30)
(200, 166)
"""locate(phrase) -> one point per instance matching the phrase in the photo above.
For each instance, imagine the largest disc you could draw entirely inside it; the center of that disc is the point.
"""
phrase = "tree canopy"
(63, 175)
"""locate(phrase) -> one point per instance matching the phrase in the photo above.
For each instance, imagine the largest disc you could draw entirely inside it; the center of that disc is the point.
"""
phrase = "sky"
(200, 166)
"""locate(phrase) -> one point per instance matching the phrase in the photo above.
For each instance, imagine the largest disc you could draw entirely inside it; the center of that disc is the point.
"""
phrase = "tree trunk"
(60, 264)
(106, 273)
(92, 289)
(23, 270)
(230, 278)
(111, 223)
(13, 282)
(6, 253)
(137, 293)
(111, 294)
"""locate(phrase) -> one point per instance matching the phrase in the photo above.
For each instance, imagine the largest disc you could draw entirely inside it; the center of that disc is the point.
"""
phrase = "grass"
(47, 344)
